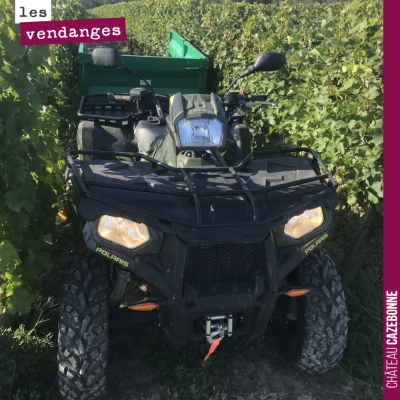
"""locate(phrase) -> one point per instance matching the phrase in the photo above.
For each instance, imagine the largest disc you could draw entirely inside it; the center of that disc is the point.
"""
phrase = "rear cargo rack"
(113, 114)
(329, 186)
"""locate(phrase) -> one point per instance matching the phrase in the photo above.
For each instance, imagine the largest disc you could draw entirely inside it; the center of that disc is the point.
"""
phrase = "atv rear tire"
(83, 328)
(315, 342)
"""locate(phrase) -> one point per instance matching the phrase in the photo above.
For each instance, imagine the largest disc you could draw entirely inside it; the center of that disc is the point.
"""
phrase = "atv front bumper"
(187, 298)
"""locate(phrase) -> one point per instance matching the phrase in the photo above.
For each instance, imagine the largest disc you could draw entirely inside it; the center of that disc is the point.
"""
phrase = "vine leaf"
(373, 92)
(340, 124)
(28, 197)
(13, 170)
(14, 130)
(378, 139)
(13, 199)
(7, 112)
(352, 199)
(9, 258)
(352, 124)
(20, 301)
(37, 54)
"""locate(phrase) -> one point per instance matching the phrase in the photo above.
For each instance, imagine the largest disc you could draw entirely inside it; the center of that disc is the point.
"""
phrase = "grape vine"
(32, 99)
(329, 95)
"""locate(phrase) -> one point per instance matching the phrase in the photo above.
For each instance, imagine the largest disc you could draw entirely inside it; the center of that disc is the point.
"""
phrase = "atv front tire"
(83, 328)
(315, 341)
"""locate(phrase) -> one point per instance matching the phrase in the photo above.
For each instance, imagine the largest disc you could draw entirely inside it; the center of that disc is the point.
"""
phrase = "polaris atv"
(167, 190)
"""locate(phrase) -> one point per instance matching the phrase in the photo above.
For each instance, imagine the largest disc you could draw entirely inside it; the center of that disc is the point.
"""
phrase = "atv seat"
(148, 134)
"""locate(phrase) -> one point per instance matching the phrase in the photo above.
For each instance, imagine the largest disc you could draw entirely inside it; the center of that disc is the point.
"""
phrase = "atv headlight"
(302, 224)
(200, 132)
(123, 232)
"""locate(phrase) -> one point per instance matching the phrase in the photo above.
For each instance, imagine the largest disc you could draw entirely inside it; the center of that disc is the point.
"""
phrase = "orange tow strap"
(214, 345)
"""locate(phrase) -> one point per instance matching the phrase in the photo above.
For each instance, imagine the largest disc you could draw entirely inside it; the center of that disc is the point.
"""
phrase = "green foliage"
(32, 99)
(363, 356)
(24, 357)
(27, 355)
(65, 78)
(329, 95)
(88, 4)
(312, 1)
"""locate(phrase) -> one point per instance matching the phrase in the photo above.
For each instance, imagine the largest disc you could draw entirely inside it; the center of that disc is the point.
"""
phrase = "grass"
(182, 372)
(363, 356)
(28, 355)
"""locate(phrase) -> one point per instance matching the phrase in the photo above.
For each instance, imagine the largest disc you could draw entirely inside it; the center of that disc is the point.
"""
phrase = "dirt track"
(247, 374)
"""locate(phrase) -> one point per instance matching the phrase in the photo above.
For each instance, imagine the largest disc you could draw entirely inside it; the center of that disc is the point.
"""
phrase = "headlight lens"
(302, 224)
(123, 232)
(200, 132)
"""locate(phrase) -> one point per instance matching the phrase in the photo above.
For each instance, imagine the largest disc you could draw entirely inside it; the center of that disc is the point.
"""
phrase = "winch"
(216, 326)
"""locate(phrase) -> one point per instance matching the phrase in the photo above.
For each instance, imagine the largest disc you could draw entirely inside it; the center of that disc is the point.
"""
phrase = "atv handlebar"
(258, 97)
(236, 101)
(257, 103)
(126, 98)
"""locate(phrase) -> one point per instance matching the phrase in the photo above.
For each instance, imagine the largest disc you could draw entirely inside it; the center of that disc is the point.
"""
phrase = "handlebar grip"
(120, 98)
(258, 97)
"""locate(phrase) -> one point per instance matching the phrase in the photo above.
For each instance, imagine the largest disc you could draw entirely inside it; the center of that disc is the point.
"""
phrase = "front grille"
(222, 262)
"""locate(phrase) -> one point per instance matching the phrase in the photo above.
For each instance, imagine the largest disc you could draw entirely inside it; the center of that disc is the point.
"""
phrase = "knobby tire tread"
(325, 319)
(83, 328)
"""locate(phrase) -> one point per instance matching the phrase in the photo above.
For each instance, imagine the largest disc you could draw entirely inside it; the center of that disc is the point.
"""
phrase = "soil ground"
(248, 374)
(245, 369)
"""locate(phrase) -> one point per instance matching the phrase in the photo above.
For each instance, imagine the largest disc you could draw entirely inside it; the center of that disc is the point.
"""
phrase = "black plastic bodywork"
(204, 211)
(95, 135)
(269, 61)
(238, 141)
(107, 58)
(194, 106)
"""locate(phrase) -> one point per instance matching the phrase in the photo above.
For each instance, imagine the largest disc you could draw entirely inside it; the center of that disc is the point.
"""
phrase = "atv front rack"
(327, 185)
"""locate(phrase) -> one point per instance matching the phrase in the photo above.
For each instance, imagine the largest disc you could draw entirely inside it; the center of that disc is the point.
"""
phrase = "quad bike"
(168, 190)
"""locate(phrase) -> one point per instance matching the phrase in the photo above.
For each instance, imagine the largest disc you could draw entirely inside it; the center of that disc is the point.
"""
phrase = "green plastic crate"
(185, 71)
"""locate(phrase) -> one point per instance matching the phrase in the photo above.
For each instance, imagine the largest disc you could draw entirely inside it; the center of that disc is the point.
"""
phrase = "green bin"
(185, 71)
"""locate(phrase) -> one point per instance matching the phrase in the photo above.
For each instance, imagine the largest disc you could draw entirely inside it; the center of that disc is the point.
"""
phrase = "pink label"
(73, 31)
(391, 267)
